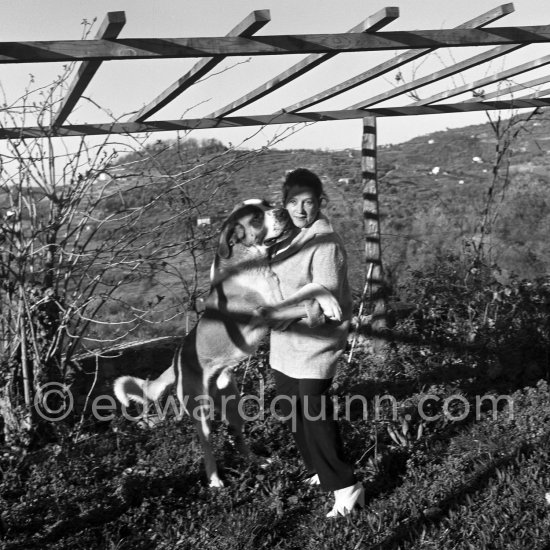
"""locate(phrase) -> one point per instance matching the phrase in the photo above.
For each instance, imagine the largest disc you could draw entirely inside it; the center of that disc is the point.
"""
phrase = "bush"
(503, 329)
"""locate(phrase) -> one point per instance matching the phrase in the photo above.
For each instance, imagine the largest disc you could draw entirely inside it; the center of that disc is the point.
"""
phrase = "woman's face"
(302, 206)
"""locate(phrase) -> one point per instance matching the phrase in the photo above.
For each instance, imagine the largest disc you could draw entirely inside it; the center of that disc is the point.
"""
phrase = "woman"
(303, 357)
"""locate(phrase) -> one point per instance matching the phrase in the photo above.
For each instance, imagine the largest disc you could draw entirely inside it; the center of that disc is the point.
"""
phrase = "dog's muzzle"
(281, 224)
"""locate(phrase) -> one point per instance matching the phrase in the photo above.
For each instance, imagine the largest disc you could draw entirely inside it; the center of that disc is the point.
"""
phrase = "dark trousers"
(307, 410)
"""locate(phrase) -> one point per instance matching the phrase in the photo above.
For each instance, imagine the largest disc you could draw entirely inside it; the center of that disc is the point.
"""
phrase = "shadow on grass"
(410, 529)
(520, 364)
(131, 490)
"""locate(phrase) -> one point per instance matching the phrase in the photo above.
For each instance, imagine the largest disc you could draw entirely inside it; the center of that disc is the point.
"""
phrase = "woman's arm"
(315, 291)
(280, 316)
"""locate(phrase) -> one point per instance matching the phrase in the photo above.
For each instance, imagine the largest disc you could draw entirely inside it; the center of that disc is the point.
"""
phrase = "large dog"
(244, 299)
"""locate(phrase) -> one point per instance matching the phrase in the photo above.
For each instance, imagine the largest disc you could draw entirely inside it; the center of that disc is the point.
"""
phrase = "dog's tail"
(131, 388)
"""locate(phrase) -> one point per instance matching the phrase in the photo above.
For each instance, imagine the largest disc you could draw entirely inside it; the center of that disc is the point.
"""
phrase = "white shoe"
(346, 499)
(313, 480)
(216, 482)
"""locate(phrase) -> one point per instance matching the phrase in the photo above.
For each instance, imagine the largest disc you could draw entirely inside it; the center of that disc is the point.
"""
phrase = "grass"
(474, 483)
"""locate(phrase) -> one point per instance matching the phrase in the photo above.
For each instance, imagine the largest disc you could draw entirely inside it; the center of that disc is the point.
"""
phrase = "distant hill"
(433, 191)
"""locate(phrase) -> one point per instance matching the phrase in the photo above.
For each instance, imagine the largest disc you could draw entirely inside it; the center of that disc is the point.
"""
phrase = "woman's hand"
(329, 304)
(315, 291)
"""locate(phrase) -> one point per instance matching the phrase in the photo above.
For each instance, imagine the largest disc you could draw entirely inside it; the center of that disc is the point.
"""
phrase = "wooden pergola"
(367, 36)
(243, 41)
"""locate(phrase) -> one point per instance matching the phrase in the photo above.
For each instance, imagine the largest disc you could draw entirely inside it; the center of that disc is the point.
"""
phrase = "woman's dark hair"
(303, 177)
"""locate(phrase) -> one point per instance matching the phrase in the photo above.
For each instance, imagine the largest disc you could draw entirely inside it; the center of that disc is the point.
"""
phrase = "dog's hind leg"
(227, 402)
(202, 416)
(198, 403)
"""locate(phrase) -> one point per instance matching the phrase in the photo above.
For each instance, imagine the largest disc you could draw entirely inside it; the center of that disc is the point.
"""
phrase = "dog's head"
(253, 222)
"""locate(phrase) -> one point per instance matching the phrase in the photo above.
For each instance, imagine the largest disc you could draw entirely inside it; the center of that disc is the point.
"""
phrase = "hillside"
(433, 192)
(436, 213)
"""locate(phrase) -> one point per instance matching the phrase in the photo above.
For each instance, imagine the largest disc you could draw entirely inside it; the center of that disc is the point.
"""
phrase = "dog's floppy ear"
(231, 234)
(224, 250)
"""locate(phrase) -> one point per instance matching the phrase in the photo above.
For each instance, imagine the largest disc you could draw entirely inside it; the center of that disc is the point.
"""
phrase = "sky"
(123, 87)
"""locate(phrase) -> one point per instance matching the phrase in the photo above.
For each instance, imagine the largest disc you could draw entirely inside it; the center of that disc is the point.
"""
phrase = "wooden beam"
(438, 75)
(392, 64)
(372, 24)
(503, 75)
(536, 94)
(270, 119)
(110, 28)
(248, 27)
(521, 87)
(168, 48)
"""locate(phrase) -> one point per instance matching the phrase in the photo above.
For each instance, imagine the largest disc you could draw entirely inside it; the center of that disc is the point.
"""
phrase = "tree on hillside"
(507, 132)
(476, 230)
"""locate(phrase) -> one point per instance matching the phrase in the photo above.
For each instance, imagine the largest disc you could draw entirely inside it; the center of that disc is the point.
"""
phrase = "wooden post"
(371, 224)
